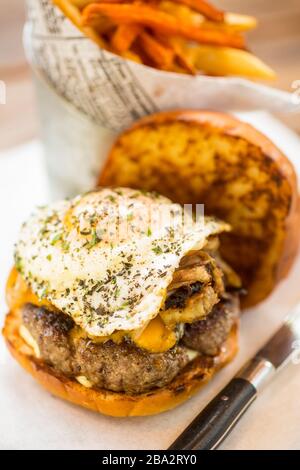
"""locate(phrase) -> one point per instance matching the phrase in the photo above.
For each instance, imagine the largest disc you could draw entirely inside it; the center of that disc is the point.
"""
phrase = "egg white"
(107, 257)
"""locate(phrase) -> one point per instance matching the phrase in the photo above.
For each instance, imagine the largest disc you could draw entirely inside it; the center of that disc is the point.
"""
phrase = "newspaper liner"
(110, 93)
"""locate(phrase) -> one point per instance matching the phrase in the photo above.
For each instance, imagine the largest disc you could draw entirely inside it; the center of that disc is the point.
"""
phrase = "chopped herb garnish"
(95, 239)
(18, 263)
(44, 293)
(117, 293)
(124, 305)
(66, 246)
(56, 238)
(157, 250)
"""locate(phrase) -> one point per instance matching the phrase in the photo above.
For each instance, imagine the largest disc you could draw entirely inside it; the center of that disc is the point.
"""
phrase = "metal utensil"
(215, 422)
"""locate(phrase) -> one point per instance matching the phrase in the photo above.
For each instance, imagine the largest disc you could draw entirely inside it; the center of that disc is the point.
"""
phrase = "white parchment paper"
(114, 92)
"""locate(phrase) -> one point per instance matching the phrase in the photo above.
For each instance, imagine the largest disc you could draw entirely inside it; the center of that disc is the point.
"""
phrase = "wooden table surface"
(276, 40)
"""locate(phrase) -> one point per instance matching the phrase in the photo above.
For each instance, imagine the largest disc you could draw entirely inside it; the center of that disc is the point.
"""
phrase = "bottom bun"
(194, 375)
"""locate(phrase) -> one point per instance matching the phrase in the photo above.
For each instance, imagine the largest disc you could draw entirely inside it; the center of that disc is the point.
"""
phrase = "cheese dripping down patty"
(106, 258)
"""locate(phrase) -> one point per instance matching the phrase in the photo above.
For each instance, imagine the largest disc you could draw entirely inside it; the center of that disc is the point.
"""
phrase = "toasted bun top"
(237, 172)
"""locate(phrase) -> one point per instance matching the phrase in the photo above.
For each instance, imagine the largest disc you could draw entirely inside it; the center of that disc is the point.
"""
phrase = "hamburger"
(119, 300)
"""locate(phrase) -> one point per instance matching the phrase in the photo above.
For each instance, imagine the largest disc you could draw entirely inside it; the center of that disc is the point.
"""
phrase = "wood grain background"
(276, 40)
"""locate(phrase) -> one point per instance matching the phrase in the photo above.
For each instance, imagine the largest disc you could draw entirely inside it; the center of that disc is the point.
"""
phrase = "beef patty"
(208, 335)
(117, 367)
(124, 367)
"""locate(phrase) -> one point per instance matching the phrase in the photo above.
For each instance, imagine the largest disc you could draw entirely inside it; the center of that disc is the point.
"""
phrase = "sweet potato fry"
(73, 13)
(161, 55)
(124, 36)
(206, 9)
(132, 56)
(185, 63)
(160, 21)
(177, 45)
(83, 3)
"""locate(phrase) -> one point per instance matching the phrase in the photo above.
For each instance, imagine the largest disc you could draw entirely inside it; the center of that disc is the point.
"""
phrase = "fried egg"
(106, 258)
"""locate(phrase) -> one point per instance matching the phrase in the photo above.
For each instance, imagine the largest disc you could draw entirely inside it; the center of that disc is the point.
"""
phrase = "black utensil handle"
(214, 423)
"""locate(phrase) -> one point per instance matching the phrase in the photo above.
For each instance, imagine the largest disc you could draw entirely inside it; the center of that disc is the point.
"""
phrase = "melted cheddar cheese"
(155, 337)
(19, 293)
